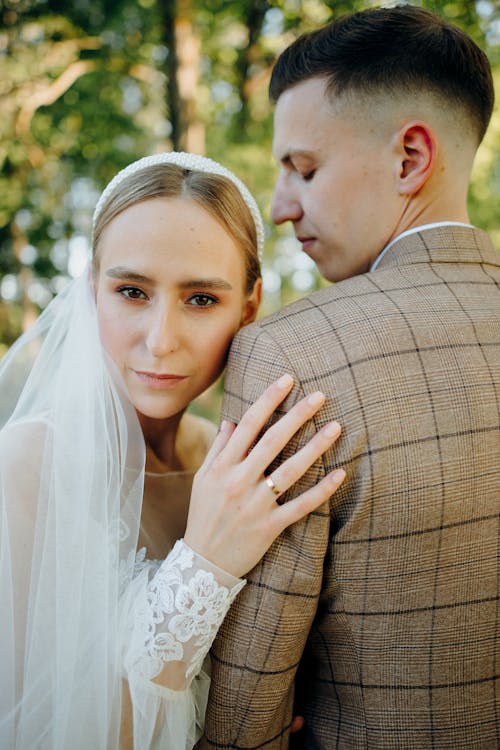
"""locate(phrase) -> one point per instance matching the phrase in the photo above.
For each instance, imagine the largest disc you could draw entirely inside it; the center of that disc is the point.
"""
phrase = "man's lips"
(159, 380)
(306, 242)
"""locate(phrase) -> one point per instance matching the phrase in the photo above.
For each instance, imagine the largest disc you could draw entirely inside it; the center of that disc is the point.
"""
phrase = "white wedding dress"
(173, 609)
(101, 647)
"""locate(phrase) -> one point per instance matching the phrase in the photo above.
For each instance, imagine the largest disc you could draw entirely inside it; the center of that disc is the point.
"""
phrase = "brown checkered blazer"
(388, 599)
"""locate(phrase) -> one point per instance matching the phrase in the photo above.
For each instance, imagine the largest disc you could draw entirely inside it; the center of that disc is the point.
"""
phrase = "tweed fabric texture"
(388, 597)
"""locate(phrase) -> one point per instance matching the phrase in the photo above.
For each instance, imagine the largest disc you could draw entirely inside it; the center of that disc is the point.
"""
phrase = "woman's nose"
(285, 205)
(162, 336)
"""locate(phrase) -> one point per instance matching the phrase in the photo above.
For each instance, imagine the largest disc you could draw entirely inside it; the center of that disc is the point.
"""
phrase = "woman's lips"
(159, 381)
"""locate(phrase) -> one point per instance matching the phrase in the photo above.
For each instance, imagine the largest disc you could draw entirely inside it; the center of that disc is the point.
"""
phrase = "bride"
(126, 524)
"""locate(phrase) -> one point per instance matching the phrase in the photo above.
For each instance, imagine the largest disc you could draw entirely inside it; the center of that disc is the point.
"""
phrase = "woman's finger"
(297, 724)
(255, 418)
(226, 429)
(281, 432)
(296, 466)
(294, 510)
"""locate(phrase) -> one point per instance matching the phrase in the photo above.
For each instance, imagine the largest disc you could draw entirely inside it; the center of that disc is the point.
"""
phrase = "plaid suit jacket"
(388, 599)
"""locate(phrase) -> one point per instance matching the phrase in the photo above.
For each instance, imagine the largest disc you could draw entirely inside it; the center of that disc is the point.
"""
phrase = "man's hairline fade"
(344, 85)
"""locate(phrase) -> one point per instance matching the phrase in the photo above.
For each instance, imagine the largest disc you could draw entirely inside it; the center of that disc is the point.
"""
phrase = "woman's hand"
(234, 515)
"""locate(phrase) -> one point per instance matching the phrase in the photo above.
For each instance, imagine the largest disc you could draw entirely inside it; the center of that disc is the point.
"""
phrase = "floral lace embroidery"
(180, 614)
(140, 562)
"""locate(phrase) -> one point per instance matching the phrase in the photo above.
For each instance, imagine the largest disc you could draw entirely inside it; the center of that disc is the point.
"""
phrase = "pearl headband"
(195, 163)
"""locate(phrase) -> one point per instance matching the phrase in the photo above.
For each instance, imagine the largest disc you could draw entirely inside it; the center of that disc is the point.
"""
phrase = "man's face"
(338, 180)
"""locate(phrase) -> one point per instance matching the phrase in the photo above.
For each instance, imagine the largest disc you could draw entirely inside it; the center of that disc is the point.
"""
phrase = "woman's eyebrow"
(122, 272)
(208, 283)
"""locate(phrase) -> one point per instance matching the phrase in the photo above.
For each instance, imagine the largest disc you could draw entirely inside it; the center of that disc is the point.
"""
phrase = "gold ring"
(273, 487)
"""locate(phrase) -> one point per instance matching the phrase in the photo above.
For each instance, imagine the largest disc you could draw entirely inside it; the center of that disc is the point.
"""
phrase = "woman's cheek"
(219, 349)
(111, 333)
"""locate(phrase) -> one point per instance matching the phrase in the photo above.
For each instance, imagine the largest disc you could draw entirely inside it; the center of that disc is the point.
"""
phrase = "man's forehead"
(300, 134)
(299, 116)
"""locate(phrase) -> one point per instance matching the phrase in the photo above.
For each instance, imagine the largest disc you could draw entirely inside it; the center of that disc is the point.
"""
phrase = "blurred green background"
(87, 87)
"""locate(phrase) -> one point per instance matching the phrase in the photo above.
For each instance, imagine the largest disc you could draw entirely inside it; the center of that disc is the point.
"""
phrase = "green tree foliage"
(88, 86)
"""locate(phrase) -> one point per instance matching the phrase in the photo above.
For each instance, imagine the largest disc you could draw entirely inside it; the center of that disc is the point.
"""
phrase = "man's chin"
(333, 272)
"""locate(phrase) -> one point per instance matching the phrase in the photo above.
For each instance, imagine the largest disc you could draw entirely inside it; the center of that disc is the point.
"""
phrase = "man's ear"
(252, 304)
(418, 149)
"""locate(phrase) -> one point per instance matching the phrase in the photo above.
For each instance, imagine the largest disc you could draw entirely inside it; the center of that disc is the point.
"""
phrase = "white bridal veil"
(76, 607)
(71, 479)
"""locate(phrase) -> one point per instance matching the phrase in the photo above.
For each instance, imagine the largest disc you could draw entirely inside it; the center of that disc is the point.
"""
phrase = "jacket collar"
(441, 244)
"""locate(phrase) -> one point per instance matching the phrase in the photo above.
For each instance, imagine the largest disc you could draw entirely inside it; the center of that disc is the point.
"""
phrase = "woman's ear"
(252, 303)
(418, 150)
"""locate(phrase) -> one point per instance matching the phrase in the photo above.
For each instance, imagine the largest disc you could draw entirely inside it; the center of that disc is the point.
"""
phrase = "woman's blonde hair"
(215, 193)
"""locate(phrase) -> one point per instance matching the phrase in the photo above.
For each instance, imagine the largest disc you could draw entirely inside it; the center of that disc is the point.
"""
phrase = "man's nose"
(285, 205)
(163, 333)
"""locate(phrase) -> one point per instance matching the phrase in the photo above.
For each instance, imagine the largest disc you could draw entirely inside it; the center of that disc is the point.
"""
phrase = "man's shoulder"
(398, 286)
(339, 300)
(321, 319)
(362, 310)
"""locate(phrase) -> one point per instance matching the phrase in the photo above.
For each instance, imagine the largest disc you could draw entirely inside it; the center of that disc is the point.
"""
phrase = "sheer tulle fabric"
(71, 480)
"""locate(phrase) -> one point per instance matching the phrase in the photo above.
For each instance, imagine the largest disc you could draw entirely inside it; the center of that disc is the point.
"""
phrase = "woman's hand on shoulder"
(234, 513)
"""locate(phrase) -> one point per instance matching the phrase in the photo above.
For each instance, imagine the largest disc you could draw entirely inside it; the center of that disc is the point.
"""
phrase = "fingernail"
(285, 381)
(315, 399)
(332, 429)
(224, 426)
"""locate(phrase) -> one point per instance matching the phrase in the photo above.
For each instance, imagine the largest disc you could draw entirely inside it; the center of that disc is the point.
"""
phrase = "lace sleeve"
(173, 611)
(177, 616)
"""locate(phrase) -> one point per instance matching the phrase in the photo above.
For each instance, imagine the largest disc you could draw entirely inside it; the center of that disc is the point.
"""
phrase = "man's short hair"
(390, 51)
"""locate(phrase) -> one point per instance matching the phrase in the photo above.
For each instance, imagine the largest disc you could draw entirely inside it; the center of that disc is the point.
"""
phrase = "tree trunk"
(253, 19)
(182, 70)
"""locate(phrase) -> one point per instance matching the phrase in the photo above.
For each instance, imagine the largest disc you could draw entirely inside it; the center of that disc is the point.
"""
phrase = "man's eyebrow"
(122, 272)
(294, 153)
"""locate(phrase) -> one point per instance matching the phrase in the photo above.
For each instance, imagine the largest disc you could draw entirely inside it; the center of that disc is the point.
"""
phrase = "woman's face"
(170, 294)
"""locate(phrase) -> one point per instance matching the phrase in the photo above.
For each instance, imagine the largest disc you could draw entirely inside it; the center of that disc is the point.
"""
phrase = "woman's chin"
(157, 411)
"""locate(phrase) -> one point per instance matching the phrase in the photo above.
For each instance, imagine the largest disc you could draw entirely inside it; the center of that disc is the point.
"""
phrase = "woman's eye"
(131, 292)
(202, 300)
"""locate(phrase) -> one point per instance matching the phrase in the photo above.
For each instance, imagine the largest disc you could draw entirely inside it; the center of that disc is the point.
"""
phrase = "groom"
(387, 601)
